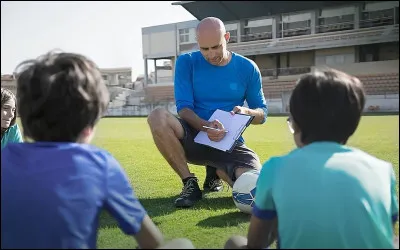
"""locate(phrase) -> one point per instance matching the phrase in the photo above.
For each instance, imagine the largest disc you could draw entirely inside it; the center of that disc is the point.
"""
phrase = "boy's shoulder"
(55, 150)
(331, 150)
(95, 150)
(370, 159)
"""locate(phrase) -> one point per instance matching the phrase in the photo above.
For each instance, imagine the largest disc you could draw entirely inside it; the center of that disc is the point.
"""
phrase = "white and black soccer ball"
(244, 190)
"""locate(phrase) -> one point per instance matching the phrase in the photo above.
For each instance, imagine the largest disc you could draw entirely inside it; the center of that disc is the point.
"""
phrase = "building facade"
(117, 76)
(118, 81)
(287, 39)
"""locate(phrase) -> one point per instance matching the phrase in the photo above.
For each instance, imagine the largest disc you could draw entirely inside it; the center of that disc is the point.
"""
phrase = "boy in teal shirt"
(324, 194)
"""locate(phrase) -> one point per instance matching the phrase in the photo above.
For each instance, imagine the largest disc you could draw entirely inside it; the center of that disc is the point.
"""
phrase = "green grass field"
(215, 218)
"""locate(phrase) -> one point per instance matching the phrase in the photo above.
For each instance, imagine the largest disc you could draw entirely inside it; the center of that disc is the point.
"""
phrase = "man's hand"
(258, 113)
(215, 135)
(240, 110)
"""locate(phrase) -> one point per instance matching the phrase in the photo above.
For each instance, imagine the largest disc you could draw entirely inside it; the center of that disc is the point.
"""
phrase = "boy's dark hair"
(327, 106)
(58, 95)
(7, 95)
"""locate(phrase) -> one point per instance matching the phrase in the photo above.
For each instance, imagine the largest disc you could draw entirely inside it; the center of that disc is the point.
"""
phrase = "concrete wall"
(381, 103)
(146, 45)
(335, 51)
(162, 42)
(283, 60)
(275, 106)
(389, 51)
(159, 43)
(388, 103)
(301, 59)
(140, 110)
(266, 61)
(368, 67)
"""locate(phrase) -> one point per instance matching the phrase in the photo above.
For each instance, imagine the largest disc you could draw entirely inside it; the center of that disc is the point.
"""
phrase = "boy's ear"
(87, 132)
(295, 127)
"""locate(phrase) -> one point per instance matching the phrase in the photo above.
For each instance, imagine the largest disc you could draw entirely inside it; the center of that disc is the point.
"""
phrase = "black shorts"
(198, 154)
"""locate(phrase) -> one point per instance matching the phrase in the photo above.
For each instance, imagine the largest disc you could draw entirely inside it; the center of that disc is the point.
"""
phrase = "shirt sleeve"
(264, 207)
(254, 94)
(394, 207)
(183, 86)
(121, 201)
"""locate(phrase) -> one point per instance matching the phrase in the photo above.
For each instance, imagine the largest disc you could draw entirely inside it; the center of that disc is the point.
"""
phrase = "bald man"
(206, 80)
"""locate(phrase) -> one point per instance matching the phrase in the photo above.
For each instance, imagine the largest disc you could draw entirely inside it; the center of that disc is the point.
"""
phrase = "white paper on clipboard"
(234, 124)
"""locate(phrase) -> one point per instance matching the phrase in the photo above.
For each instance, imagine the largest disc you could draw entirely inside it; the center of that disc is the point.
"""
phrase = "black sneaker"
(190, 193)
(212, 183)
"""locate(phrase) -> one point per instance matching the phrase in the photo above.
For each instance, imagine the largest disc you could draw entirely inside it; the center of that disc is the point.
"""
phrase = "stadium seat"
(374, 84)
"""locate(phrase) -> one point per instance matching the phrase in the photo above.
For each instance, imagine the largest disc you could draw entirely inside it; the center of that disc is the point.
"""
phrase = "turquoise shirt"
(327, 195)
(13, 134)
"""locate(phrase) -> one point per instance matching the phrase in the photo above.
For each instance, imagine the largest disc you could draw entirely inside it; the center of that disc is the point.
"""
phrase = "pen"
(214, 129)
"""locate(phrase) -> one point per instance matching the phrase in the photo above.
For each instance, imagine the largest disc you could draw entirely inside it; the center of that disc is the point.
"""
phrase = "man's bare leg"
(225, 177)
(236, 242)
(167, 131)
(240, 171)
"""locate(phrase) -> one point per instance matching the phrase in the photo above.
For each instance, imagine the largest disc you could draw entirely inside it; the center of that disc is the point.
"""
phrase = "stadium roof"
(236, 10)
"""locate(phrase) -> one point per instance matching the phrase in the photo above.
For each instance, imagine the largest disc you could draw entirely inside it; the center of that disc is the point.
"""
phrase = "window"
(340, 11)
(258, 23)
(124, 77)
(233, 34)
(296, 18)
(183, 31)
(369, 53)
(336, 23)
(296, 24)
(349, 58)
(105, 77)
(335, 59)
(379, 14)
(336, 19)
(184, 35)
(183, 38)
(232, 28)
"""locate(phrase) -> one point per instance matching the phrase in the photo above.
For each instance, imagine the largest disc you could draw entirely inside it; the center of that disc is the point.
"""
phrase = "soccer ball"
(244, 190)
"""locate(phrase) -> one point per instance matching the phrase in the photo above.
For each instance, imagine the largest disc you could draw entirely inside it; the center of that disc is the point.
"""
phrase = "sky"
(109, 33)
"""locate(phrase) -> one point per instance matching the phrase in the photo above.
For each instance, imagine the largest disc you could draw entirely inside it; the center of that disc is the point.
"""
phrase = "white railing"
(140, 110)
(388, 33)
(338, 28)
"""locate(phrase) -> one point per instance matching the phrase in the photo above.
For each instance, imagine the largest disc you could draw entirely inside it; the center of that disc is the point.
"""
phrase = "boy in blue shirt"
(53, 190)
(324, 194)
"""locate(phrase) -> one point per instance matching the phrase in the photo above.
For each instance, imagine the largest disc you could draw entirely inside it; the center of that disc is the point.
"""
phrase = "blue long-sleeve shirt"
(204, 88)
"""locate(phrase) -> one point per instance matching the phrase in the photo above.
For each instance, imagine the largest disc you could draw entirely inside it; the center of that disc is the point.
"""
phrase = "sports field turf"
(215, 218)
